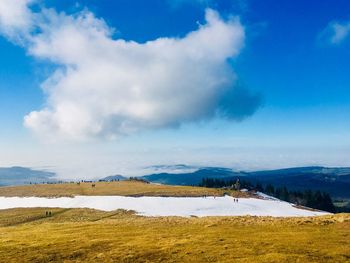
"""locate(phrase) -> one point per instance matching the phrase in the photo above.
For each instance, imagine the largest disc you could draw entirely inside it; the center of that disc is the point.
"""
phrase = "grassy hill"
(121, 188)
(81, 235)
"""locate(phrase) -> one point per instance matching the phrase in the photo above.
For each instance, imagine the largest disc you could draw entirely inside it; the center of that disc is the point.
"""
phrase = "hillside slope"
(82, 235)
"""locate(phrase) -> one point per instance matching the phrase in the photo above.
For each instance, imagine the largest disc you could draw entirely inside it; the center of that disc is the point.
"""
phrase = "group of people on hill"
(48, 213)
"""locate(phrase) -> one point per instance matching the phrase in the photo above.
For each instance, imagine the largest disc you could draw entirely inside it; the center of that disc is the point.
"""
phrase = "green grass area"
(82, 235)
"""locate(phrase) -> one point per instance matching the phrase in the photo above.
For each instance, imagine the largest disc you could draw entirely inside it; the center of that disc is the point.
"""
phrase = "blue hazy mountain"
(114, 178)
(192, 178)
(21, 175)
(335, 181)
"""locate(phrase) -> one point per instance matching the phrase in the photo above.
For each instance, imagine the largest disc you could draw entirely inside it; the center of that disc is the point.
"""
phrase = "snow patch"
(167, 206)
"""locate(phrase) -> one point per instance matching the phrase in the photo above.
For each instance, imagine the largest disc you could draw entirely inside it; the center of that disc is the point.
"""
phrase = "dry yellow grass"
(81, 235)
(124, 188)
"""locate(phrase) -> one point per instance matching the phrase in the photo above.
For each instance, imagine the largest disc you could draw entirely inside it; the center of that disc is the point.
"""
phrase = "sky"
(94, 88)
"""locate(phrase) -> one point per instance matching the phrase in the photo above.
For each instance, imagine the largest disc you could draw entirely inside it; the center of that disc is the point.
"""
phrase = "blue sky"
(291, 69)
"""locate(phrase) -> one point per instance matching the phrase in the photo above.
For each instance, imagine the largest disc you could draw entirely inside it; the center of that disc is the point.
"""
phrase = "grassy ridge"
(123, 188)
(82, 235)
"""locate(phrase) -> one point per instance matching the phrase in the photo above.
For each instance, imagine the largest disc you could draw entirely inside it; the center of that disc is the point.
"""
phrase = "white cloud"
(340, 32)
(336, 32)
(15, 18)
(107, 87)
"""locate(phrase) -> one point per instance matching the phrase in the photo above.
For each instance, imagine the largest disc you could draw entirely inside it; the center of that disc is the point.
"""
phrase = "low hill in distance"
(114, 178)
(21, 175)
(192, 178)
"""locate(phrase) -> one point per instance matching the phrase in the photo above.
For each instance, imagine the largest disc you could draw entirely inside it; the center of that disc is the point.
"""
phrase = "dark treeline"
(138, 179)
(313, 199)
(218, 183)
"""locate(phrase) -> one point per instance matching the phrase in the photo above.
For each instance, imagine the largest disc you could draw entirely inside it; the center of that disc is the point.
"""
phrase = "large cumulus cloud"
(15, 18)
(108, 87)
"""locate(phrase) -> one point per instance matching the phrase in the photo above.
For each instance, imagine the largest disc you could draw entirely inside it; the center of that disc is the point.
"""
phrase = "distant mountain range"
(192, 178)
(335, 181)
(21, 175)
(114, 178)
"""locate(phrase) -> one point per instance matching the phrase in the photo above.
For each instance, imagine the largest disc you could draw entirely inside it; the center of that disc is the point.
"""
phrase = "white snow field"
(167, 206)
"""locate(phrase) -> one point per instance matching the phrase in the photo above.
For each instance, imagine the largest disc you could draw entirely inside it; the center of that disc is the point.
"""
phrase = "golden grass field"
(82, 235)
(123, 188)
